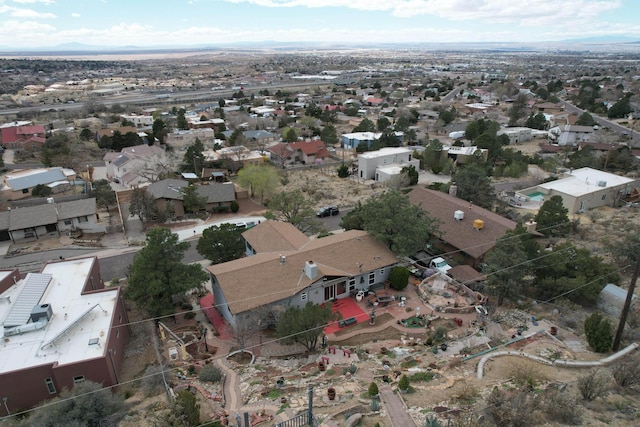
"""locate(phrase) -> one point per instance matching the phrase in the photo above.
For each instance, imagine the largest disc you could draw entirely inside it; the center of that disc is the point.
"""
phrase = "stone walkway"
(396, 411)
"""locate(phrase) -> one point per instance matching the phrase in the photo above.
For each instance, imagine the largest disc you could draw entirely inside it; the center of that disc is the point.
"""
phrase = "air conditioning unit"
(602, 183)
(458, 215)
(478, 224)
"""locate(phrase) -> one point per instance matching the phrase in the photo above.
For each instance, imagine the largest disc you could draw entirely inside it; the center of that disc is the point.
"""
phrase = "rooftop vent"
(602, 183)
(41, 311)
(94, 341)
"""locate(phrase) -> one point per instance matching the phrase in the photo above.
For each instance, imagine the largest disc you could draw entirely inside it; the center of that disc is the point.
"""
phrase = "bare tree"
(244, 331)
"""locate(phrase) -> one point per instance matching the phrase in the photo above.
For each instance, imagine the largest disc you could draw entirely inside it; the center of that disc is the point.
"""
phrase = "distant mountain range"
(586, 44)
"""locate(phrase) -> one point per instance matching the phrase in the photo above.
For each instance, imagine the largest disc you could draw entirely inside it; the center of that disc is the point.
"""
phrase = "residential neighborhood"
(384, 237)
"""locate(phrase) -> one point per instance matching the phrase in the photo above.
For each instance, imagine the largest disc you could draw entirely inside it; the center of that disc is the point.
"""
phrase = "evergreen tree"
(157, 273)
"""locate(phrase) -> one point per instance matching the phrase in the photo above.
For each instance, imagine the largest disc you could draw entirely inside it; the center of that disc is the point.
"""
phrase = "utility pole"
(627, 306)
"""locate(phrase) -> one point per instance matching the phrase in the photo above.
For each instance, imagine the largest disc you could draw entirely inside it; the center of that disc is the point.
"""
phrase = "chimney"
(311, 270)
(530, 226)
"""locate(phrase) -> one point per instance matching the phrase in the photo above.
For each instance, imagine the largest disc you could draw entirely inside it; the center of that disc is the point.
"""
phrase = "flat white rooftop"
(386, 151)
(586, 180)
(77, 319)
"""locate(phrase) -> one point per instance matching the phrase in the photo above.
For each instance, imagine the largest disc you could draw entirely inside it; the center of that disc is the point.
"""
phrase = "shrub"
(189, 315)
(399, 278)
(593, 385)
(626, 374)
(598, 332)
(235, 207)
(562, 407)
(343, 171)
(373, 389)
(403, 384)
(210, 373)
(421, 376)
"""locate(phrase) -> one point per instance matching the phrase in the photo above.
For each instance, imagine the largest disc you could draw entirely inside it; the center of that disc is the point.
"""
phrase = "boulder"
(353, 420)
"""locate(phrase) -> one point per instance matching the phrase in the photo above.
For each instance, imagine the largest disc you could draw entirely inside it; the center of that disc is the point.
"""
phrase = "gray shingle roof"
(216, 193)
(76, 208)
(167, 189)
(48, 213)
(33, 216)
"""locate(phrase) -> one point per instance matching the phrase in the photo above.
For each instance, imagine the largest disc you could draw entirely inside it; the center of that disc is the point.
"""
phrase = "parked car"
(327, 211)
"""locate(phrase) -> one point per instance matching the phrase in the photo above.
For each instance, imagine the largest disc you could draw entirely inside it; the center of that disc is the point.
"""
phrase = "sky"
(155, 23)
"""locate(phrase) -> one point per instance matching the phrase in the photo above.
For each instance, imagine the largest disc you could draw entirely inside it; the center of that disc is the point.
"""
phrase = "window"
(25, 191)
(50, 386)
(303, 296)
(78, 379)
(68, 222)
(382, 271)
(83, 219)
(117, 333)
(352, 284)
(604, 196)
(372, 278)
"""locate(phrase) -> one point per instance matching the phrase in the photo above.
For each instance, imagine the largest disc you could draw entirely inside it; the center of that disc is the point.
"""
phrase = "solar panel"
(34, 287)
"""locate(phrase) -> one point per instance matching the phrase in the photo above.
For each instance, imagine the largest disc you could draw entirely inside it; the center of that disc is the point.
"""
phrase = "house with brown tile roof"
(274, 236)
(457, 223)
(318, 271)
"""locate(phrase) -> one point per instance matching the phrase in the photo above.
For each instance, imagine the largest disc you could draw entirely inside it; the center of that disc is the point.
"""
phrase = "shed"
(611, 299)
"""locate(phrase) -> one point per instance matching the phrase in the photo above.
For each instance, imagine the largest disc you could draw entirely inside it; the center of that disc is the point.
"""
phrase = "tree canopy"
(261, 180)
(193, 160)
(157, 273)
(193, 202)
(585, 119)
(365, 125)
(104, 194)
(87, 404)
(221, 243)
(142, 204)
(506, 266)
(294, 207)
(390, 218)
(552, 218)
(329, 135)
(474, 185)
(572, 273)
(303, 325)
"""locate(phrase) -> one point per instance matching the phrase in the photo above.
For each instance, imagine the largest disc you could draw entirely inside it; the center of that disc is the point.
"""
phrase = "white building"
(516, 135)
(580, 189)
(386, 163)
(570, 135)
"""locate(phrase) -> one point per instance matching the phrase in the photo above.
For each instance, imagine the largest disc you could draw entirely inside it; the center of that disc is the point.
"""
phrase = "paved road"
(633, 135)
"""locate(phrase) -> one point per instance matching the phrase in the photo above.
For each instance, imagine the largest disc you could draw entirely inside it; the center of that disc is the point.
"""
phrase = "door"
(330, 292)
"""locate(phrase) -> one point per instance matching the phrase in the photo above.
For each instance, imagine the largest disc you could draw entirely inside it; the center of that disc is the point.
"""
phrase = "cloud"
(34, 1)
(492, 11)
(75, 15)
(18, 12)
